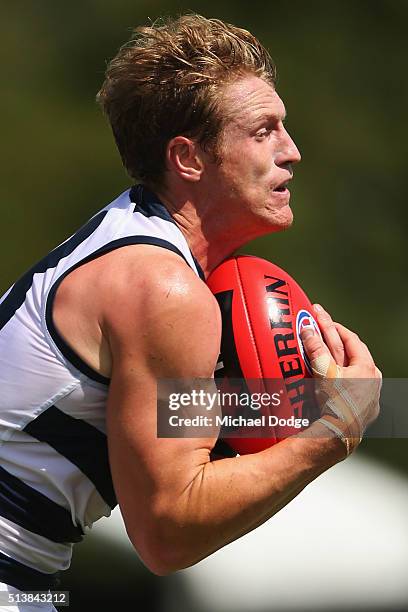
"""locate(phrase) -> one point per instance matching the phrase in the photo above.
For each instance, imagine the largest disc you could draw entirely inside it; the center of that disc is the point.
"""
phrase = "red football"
(263, 310)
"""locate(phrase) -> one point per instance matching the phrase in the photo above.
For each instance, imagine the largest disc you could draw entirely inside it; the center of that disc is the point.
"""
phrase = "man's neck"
(209, 238)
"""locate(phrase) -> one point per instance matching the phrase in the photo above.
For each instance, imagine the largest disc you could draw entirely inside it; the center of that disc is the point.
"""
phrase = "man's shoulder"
(134, 274)
(147, 279)
(143, 268)
(160, 317)
(133, 291)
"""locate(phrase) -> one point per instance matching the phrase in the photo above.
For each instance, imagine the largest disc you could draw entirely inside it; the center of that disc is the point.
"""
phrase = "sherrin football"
(263, 311)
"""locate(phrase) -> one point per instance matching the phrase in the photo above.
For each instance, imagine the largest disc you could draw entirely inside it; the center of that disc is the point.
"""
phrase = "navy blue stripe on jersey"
(32, 510)
(25, 578)
(17, 295)
(63, 346)
(199, 268)
(149, 205)
(79, 442)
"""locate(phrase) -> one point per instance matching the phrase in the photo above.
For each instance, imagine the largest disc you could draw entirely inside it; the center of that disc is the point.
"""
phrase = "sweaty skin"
(137, 327)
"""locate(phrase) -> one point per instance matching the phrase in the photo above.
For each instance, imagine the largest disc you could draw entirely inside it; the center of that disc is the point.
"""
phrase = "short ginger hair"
(168, 81)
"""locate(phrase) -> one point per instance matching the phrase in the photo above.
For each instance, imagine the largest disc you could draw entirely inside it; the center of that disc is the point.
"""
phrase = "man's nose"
(289, 153)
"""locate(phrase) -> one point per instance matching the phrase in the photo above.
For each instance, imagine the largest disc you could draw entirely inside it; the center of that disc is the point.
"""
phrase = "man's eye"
(262, 134)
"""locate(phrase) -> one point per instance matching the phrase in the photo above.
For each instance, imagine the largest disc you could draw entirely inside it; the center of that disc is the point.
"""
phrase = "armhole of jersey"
(63, 347)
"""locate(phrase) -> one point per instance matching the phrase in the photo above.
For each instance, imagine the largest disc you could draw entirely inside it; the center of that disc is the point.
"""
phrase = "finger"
(355, 349)
(330, 334)
(321, 360)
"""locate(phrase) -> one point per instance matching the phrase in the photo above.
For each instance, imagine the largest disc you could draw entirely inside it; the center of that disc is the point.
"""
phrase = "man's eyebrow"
(269, 117)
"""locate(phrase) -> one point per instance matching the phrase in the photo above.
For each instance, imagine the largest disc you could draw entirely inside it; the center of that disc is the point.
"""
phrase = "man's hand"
(350, 382)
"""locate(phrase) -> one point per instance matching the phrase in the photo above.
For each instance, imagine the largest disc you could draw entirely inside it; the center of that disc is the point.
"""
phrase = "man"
(88, 332)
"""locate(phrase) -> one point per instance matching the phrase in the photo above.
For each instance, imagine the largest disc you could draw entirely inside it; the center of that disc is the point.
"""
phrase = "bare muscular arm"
(178, 506)
(140, 314)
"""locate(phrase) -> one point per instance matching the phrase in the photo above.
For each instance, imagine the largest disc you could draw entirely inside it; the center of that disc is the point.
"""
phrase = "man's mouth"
(282, 187)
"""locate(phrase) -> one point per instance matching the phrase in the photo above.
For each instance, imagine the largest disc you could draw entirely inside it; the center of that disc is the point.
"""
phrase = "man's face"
(257, 155)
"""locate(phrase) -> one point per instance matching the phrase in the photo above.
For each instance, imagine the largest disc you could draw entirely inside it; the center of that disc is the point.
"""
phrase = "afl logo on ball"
(305, 319)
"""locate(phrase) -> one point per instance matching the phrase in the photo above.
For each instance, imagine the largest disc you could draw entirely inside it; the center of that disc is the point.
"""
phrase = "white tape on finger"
(324, 366)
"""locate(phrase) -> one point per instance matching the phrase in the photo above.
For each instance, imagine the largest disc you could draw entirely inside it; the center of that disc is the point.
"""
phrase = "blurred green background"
(342, 74)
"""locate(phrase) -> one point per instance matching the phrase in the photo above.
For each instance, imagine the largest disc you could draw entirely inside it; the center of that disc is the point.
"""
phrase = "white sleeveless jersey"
(55, 479)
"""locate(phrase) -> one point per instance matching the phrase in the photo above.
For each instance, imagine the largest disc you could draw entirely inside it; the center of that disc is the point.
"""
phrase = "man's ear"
(184, 158)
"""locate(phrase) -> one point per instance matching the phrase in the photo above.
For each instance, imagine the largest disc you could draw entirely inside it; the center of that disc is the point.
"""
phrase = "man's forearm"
(229, 497)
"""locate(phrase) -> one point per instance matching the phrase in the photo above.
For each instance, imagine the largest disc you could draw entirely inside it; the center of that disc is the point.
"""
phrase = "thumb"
(321, 360)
